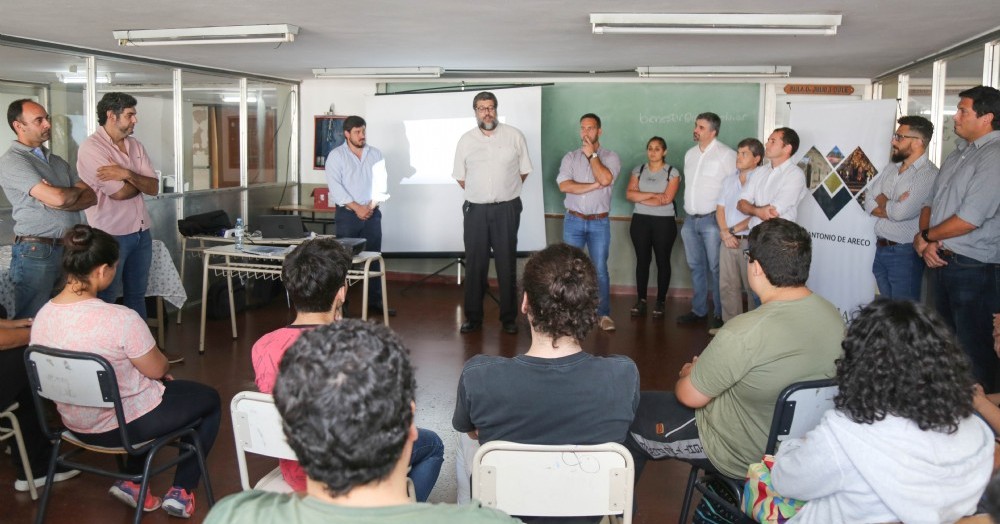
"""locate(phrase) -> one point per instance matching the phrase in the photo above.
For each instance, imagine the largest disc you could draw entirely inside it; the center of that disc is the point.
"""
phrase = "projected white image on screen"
(430, 161)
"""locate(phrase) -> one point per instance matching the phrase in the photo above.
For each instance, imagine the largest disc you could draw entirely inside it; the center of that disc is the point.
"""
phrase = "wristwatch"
(923, 235)
(593, 155)
(732, 231)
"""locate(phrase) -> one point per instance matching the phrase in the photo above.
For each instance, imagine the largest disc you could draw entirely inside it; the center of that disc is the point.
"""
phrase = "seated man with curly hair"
(345, 393)
(555, 393)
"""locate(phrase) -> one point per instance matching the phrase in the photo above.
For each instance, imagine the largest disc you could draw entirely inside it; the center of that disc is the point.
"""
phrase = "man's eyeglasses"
(486, 109)
(899, 138)
(748, 256)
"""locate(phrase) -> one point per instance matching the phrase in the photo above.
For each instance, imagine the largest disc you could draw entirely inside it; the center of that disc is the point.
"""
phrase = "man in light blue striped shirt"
(897, 195)
(352, 171)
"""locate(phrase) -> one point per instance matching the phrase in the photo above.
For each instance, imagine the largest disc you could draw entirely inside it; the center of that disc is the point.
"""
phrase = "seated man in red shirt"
(315, 276)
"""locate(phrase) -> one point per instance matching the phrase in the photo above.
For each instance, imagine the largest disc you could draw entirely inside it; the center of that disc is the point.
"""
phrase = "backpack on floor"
(218, 298)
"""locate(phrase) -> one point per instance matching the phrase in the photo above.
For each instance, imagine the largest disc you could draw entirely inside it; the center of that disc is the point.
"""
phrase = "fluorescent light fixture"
(81, 78)
(715, 71)
(714, 24)
(234, 34)
(235, 99)
(379, 72)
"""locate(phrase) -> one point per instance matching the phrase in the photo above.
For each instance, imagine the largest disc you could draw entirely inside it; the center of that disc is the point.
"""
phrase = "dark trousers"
(183, 402)
(491, 227)
(14, 388)
(652, 235)
(664, 428)
(966, 295)
(348, 225)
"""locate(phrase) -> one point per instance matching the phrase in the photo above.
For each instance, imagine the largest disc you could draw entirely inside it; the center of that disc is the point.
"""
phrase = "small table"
(312, 218)
(164, 283)
(257, 265)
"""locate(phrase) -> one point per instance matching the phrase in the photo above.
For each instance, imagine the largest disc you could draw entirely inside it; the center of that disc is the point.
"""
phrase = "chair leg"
(688, 495)
(144, 485)
(23, 453)
(47, 490)
(204, 470)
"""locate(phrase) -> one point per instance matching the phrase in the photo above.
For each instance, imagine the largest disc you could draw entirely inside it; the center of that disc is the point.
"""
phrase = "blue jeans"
(135, 253)
(701, 248)
(966, 296)
(348, 225)
(425, 462)
(899, 272)
(35, 268)
(595, 235)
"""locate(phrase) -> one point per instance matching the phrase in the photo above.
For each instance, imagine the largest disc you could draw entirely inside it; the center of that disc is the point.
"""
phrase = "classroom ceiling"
(546, 36)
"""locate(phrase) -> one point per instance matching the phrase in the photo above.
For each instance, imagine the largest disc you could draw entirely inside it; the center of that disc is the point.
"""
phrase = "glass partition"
(269, 129)
(211, 122)
(963, 72)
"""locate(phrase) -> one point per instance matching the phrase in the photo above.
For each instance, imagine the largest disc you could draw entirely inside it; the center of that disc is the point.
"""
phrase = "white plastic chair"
(257, 429)
(554, 481)
(15, 432)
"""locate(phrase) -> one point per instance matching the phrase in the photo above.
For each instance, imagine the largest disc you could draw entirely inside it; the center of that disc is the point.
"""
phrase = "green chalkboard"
(630, 115)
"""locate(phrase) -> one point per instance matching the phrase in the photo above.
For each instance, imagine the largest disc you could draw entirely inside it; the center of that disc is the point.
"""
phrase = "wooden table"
(312, 211)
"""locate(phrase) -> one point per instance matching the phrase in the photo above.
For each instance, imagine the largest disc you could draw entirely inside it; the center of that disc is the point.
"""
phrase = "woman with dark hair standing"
(154, 403)
(903, 443)
(653, 230)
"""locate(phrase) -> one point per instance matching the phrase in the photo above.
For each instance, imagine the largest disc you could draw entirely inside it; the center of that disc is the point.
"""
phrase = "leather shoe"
(510, 328)
(469, 327)
(690, 318)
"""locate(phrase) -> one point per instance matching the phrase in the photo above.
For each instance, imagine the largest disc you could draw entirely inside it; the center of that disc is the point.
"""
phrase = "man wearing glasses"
(895, 199)
(959, 234)
(491, 163)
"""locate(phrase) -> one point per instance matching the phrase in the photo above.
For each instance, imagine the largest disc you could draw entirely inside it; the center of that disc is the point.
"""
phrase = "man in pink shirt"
(117, 167)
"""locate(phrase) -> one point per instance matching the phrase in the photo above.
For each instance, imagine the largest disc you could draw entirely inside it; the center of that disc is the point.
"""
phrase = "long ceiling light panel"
(379, 72)
(714, 71)
(235, 34)
(714, 24)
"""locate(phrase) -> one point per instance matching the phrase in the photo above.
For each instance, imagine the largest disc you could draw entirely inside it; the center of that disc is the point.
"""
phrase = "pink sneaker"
(128, 492)
(179, 502)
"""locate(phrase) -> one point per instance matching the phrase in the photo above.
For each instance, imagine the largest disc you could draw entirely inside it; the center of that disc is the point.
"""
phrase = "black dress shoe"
(690, 318)
(510, 328)
(469, 327)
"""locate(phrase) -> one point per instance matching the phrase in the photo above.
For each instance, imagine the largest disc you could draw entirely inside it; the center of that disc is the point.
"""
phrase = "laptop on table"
(281, 226)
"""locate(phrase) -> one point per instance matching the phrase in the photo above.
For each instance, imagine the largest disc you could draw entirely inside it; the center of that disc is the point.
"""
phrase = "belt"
(41, 240)
(885, 242)
(702, 216)
(587, 217)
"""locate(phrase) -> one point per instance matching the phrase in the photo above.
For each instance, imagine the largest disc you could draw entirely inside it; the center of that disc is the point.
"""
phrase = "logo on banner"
(835, 180)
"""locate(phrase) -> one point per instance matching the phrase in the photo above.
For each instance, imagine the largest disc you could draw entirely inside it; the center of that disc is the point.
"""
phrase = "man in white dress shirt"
(706, 166)
(776, 192)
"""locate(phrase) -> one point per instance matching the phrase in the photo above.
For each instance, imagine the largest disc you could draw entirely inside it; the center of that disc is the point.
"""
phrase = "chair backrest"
(73, 377)
(257, 429)
(550, 481)
(799, 409)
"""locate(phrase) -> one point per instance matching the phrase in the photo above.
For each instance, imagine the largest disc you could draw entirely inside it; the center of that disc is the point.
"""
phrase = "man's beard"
(899, 156)
(487, 127)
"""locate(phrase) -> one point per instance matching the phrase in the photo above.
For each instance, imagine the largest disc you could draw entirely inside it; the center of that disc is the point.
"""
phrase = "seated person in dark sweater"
(555, 393)
(345, 392)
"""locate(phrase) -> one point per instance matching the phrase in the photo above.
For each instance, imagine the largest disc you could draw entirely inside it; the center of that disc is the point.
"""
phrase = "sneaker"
(62, 474)
(607, 324)
(690, 318)
(658, 309)
(715, 322)
(639, 309)
(179, 502)
(128, 492)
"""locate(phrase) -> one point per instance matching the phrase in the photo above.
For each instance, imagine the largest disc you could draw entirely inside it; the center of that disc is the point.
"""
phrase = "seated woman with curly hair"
(903, 443)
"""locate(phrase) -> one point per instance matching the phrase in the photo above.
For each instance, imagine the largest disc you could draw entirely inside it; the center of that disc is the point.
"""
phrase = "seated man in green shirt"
(719, 414)
(345, 392)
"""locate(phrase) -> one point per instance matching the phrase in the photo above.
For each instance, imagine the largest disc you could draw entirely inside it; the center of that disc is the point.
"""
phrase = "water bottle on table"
(239, 234)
